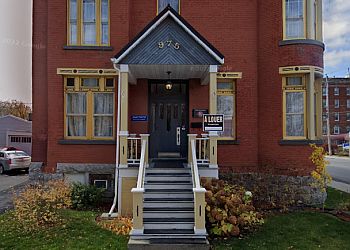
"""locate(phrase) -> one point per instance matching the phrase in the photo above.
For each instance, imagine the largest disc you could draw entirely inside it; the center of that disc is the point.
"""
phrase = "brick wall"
(246, 32)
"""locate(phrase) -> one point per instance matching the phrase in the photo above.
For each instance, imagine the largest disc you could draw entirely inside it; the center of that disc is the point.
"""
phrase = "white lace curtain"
(225, 107)
(103, 114)
(89, 21)
(294, 18)
(295, 114)
(76, 114)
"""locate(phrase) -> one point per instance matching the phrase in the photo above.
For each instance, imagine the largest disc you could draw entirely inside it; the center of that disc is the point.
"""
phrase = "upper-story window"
(162, 4)
(88, 22)
(302, 19)
(336, 91)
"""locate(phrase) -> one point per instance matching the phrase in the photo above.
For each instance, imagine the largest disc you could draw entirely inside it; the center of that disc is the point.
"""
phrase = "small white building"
(16, 132)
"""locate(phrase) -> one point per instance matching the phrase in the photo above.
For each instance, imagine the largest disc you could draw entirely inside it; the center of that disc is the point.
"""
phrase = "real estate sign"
(213, 123)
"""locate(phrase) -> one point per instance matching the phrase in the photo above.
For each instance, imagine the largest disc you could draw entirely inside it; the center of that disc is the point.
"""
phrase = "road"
(339, 169)
(9, 182)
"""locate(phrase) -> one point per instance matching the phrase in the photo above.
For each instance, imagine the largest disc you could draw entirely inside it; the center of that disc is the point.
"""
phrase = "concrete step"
(168, 225)
(166, 181)
(168, 170)
(168, 178)
(163, 194)
(182, 243)
(161, 186)
(168, 214)
(175, 204)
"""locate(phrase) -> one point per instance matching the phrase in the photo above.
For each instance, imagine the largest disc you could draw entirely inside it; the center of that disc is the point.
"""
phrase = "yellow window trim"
(294, 89)
(80, 29)
(307, 26)
(300, 69)
(90, 104)
(179, 7)
(87, 72)
(228, 92)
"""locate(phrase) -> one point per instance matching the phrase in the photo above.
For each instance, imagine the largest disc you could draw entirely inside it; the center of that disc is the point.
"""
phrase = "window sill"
(299, 142)
(86, 142)
(301, 41)
(103, 48)
(228, 142)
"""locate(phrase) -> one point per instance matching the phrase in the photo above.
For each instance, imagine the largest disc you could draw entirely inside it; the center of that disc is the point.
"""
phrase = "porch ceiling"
(180, 72)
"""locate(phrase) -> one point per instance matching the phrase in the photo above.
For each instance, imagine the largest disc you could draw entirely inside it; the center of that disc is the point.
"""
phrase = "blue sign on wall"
(139, 118)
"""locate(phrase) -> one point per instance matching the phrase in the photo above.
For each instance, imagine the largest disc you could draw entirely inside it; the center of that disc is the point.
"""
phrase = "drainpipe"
(117, 146)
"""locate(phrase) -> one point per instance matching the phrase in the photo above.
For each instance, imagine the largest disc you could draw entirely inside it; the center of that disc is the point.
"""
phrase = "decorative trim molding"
(86, 142)
(299, 142)
(86, 72)
(231, 75)
(101, 48)
(301, 41)
(300, 69)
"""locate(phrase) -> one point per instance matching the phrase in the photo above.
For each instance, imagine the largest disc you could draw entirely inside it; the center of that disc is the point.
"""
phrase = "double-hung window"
(302, 19)
(336, 116)
(336, 103)
(89, 107)
(294, 96)
(336, 91)
(226, 106)
(88, 22)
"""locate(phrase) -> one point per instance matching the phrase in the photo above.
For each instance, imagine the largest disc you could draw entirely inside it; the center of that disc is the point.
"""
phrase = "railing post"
(123, 135)
(146, 138)
(199, 212)
(137, 211)
(213, 145)
(190, 138)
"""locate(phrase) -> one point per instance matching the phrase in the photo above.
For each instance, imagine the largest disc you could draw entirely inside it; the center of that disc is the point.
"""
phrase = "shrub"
(39, 205)
(86, 196)
(320, 174)
(119, 226)
(229, 209)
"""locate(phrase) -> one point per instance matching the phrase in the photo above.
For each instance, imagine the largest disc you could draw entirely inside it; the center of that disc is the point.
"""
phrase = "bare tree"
(15, 108)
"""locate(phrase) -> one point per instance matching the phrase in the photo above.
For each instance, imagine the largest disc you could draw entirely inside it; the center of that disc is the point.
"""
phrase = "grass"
(80, 232)
(298, 230)
(336, 198)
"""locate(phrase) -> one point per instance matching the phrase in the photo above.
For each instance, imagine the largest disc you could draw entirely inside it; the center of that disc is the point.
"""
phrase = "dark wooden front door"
(168, 111)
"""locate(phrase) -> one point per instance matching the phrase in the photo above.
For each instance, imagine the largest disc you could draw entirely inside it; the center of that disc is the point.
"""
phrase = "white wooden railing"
(198, 191)
(202, 149)
(139, 190)
(134, 149)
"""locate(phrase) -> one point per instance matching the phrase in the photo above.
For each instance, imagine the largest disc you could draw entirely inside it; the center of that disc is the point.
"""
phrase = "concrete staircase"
(168, 212)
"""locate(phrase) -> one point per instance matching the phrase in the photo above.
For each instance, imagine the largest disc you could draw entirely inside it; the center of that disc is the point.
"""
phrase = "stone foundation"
(278, 190)
(37, 175)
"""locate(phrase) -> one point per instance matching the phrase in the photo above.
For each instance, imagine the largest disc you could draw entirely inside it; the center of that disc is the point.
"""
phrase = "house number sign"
(168, 43)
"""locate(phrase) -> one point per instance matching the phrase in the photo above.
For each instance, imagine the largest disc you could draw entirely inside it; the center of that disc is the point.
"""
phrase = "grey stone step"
(167, 178)
(178, 204)
(168, 225)
(170, 186)
(168, 170)
(165, 209)
(156, 194)
(166, 220)
(168, 214)
(169, 244)
(168, 199)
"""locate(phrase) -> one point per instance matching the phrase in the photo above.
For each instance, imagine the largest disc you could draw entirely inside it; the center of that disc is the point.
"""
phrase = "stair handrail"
(143, 163)
(194, 166)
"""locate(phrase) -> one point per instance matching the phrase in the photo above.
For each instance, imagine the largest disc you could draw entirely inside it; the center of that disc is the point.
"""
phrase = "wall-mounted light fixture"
(169, 84)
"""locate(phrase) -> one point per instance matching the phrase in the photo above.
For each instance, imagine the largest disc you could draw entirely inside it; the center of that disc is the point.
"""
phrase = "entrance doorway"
(168, 123)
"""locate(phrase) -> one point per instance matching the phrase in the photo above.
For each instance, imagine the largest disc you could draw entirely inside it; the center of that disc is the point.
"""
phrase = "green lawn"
(80, 232)
(298, 230)
(301, 230)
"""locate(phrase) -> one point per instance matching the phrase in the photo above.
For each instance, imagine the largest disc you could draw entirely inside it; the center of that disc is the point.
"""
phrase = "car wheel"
(1, 170)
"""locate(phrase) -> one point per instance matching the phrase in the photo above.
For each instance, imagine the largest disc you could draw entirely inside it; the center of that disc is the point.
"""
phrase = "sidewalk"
(338, 157)
(340, 186)
(6, 196)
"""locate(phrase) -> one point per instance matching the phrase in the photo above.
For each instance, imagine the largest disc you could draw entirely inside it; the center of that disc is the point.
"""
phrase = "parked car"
(14, 159)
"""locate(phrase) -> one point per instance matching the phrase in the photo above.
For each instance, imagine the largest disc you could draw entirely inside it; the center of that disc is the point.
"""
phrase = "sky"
(15, 45)
(336, 23)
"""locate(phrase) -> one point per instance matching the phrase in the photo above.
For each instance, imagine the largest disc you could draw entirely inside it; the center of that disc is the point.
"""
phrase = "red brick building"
(339, 106)
(259, 63)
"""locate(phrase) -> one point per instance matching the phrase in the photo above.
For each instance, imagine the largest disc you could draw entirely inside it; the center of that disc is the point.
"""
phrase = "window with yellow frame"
(302, 19)
(89, 108)
(294, 107)
(226, 105)
(88, 23)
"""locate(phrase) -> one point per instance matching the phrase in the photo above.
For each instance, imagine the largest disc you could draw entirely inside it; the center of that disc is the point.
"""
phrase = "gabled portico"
(168, 54)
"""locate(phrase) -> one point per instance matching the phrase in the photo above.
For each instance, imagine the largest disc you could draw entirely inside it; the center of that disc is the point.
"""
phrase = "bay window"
(88, 22)
(302, 103)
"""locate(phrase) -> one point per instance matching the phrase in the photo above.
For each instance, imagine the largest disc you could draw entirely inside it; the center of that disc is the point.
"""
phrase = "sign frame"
(217, 126)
